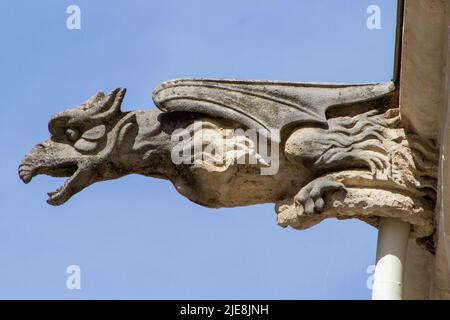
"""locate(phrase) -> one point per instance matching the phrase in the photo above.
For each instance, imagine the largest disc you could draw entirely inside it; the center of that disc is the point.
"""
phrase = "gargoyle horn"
(98, 109)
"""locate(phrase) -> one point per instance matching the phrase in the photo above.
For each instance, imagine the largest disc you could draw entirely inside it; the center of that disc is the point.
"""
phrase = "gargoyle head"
(84, 146)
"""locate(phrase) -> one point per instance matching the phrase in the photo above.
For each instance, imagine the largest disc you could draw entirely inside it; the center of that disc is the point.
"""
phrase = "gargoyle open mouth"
(82, 138)
(63, 192)
(67, 169)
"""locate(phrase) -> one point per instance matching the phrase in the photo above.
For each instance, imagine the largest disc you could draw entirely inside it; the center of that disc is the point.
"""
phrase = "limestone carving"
(328, 150)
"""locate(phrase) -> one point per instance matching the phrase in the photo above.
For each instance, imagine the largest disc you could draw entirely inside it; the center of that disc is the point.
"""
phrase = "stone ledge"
(366, 204)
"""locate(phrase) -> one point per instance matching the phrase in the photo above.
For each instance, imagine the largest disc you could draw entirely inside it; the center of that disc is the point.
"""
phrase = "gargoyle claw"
(311, 195)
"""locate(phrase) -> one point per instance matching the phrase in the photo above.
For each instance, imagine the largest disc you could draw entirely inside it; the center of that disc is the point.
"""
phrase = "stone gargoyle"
(316, 150)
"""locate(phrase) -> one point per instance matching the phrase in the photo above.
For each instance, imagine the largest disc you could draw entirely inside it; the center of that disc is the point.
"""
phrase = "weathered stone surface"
(268, 105)
(424, 96)
(401, 183)
(422, 92)
(340, 151)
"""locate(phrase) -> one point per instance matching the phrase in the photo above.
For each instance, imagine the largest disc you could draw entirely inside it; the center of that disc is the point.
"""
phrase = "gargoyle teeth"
(58, 192)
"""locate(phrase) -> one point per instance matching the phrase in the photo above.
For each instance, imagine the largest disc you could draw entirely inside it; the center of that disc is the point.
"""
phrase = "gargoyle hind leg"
(311, 195)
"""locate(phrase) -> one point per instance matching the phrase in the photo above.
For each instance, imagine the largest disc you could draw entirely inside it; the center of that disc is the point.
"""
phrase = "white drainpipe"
(392, 243)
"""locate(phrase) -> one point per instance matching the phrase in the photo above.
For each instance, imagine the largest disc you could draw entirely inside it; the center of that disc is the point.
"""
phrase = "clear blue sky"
(136, 237)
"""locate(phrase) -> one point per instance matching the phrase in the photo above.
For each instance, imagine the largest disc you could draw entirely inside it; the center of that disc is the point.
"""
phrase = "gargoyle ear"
(89, 140)
(95, 133)
(109, 105)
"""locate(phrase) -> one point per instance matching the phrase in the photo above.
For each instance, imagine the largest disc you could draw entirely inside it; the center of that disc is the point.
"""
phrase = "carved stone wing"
(262, 104)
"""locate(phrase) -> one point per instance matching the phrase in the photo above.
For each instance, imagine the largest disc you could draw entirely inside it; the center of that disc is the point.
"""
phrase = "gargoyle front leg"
(311, 195)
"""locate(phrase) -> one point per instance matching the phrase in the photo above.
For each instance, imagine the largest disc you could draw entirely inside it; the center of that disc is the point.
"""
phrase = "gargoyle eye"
(73, 134)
